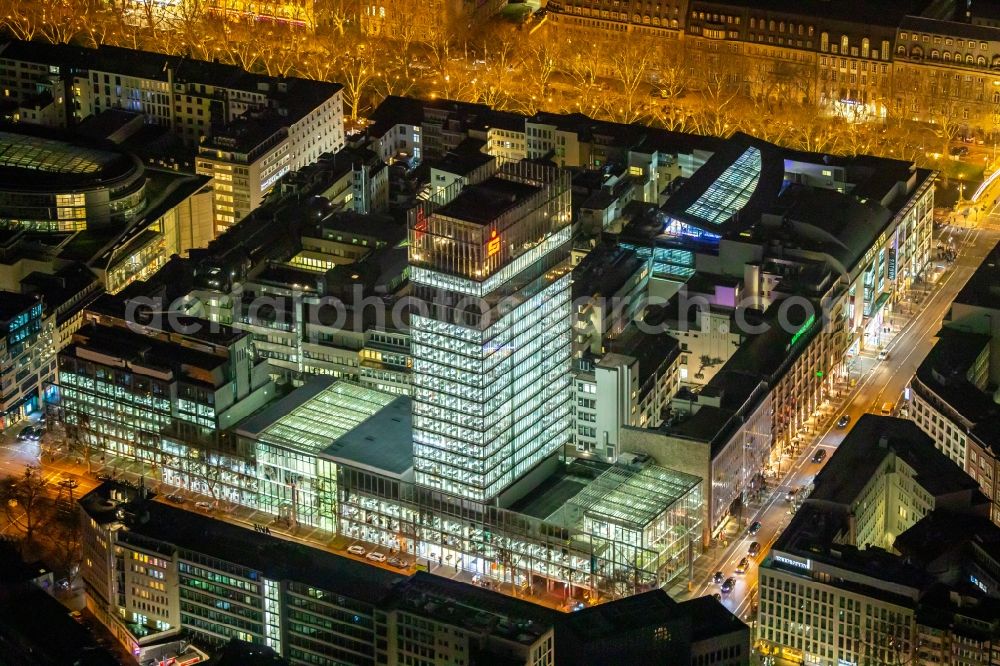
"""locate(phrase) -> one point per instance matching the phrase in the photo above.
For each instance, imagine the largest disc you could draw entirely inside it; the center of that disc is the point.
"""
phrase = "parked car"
(718, 578)
(398, 563)
(742, 567)
(754, 549)
(176, 499)
(204, 506)
(728, 586)
(819, 456)
(375, 557)
(356, 550)
(843, 421)
(754, 528)
(25, 434)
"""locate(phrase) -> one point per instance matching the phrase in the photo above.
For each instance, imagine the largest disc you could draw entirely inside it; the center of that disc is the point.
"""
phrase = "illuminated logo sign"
(493, 247)
(807, 565)
(420, 226)
(978, 583)
(802, 330)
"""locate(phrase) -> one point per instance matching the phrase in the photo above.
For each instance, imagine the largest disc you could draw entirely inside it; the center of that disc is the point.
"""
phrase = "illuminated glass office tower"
(490, 264)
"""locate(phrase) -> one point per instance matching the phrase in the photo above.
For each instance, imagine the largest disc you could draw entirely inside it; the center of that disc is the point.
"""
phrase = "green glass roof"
(334, 411)
(634, 498)
(21, 151)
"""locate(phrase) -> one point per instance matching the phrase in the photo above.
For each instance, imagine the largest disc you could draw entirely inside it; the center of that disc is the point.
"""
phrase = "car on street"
(887, 409)
(819, 456)
(959, 151)
(790, 495)
(754, 528)
(104, 476)
(204, 506)
(754, 549)
(375, 557)
(728, 586)
(883, 354)
(25, 434)
(717, 597)
(356, 550)
(718, 578)
(843, 421)
(176, 499)
(396, 562)
(742, 567)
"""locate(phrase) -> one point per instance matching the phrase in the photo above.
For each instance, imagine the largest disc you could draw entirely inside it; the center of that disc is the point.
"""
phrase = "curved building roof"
(29, 161)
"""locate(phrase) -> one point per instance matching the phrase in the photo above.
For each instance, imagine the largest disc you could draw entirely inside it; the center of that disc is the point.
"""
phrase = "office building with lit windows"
(153, 571)
(858, 574)
(123, 380)
(25, 354)
(492, 351)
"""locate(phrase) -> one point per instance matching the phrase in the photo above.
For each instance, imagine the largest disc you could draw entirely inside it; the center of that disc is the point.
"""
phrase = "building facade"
(491, 388)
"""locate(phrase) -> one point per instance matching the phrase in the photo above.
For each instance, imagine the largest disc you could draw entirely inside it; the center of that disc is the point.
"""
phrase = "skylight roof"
(315, 424)
(731, 190)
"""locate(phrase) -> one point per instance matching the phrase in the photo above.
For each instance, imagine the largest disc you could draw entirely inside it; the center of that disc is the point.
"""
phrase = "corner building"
(491, 345)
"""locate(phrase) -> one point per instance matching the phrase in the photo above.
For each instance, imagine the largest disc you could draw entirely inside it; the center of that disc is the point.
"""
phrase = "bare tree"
(22, 498)
(630, 64)
(357, 72)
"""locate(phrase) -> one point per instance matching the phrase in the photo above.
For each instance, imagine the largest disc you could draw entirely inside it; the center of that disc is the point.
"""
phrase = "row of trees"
(632, 79)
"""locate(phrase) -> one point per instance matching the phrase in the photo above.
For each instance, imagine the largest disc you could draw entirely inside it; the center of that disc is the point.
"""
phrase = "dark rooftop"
(983, 288)
(275, 558)
(381, 443)
(143, 351)
(473, 608)
(13, 304)
(941, 531)
(610, 621)
(605, 270)
(866, 446)
(818, 533)
(486, 201)
(461, 163)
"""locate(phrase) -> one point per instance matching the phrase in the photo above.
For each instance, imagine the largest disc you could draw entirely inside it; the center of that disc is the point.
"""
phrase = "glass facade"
(491, 350)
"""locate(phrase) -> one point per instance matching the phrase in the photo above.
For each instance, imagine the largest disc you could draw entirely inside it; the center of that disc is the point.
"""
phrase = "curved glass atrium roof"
(19, 151)
(731, 190)
(334, 411)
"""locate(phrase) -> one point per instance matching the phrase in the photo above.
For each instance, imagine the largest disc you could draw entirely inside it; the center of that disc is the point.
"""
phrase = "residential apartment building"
(663, 19)
(926, 61)
(184, 95)
(401, 21)
(952, 393)
(857, 576)
(151, 579)
(947, 73)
